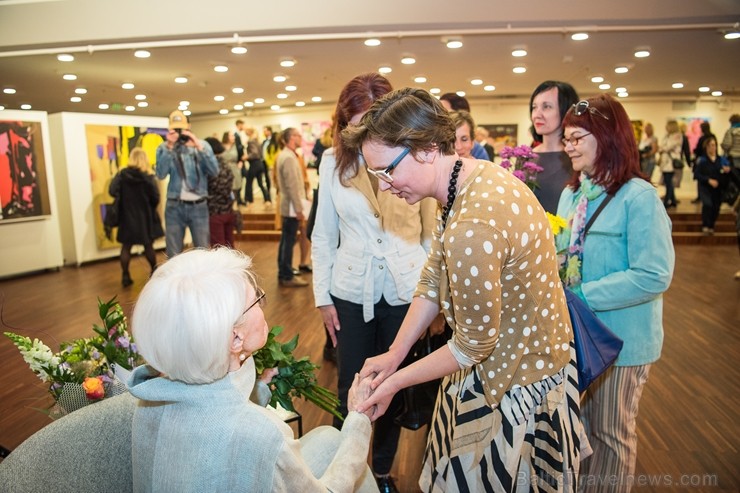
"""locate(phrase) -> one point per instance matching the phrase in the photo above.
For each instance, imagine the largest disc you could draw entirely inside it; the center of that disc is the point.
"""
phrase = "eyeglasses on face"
(573, 140)
(583, 106)
(261, 300)
(385, 174)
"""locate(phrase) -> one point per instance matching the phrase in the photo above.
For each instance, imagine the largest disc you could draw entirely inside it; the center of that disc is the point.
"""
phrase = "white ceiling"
(326, 39)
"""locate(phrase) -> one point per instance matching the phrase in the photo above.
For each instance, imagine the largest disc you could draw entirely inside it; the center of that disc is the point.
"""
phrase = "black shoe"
(126, 280)
(696, 200)
(305, 268)
(386, 484)
(330, 354)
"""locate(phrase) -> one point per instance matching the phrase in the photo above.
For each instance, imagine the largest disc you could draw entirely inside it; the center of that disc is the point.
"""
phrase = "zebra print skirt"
(530, 442)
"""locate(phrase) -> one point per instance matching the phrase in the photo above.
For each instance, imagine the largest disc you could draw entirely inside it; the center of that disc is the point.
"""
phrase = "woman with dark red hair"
(620, 266)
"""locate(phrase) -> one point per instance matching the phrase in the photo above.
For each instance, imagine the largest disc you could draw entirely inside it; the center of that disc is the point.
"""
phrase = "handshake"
(359, 393)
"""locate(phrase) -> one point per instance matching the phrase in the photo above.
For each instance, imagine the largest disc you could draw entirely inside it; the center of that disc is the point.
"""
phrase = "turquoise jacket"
(628, 263)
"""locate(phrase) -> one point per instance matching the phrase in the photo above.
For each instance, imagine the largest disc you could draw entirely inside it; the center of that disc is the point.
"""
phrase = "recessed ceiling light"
(316, 99)
(187, 112)
(103, 106)
(408, 60)
(489, 88)
(597, 79)
(282, 95)
(476, 82)
(237, 90)
(704, 89)
(144, 104)
(435, 90)
(80, 90)
(579, 36)
(280, 78)
(2, 108)
(223, 111)
(287, 62)
(181, 80)
(291, 88)
(714, 93)
(301, 104)
(372, 42)
(454, 43)
(127, 85)
(621, 69)
(519, 69)
(130, 108)
(9, 90)
(623, 94)
(605, 87)
(25, 106)
(75, 99)
(275, 107)
(519, 52)
(238, 50)
(620, 89)
(259, 100)
(69, 77)
(142, 54)
(182, 107)
(221, 68)
(140, 97)
(218, 98)
(732, 35)
(677, 85)
(184, 103)
(420, 79)
(460, 93)
(238, 107)
(65, 57)
(248, 104)
(385, 69)
(642, 53)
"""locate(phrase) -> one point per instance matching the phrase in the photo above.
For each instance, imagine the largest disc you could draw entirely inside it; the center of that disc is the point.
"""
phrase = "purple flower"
(506, 164)
(133, 348)
(530, 166)
(122, 342)
(520, 174)
(95, 354)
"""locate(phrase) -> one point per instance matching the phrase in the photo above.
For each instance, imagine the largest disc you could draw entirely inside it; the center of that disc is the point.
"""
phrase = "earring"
(242, 357)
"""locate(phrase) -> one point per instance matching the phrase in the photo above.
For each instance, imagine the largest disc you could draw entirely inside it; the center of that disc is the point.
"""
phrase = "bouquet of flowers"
(84, 370)
(295, 377)
(519, 161)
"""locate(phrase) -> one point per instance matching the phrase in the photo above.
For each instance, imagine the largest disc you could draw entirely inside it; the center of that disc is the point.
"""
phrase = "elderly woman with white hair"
(197, 323)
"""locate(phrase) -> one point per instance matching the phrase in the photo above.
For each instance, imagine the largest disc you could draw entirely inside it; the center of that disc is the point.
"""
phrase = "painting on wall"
(24, 192)
(501, 135)
(108, 148)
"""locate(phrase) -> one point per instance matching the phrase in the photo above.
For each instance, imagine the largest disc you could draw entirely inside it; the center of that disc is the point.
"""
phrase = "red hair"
(617, 158)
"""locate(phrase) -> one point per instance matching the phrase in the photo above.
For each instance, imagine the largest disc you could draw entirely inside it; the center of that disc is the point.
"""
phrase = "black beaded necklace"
(451, 191)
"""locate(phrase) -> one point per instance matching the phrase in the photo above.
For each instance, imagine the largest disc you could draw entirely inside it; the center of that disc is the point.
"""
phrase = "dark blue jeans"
(357, 341)
(670, 193)
(285, 250)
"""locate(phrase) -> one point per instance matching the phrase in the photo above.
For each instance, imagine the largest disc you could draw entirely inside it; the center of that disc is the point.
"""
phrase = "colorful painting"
(23, 187)
(108, 148)
(500, 136)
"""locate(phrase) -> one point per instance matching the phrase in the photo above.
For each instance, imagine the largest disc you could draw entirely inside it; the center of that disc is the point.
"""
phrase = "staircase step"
(261, 235)
(259, 225)
(687, 238)
(695, 227)
(696, 216)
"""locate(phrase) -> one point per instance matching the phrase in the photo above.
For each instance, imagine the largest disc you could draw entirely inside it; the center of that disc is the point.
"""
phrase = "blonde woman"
(139, 223)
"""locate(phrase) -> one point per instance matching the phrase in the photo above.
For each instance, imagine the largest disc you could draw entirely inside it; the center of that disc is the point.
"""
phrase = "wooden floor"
(688, 423)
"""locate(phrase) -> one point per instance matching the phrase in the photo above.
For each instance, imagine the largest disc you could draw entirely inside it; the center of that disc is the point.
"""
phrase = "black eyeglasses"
(573, 140)
(261, 300)
(583, 106)
(385, 174)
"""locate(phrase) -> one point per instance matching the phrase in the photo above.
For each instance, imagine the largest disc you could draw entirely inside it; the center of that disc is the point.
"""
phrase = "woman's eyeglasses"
(573, 140)
(385, 174)
(261, 300)
(583, 106)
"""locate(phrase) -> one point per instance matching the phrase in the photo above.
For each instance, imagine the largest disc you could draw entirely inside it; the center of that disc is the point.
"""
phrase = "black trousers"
(357, 341)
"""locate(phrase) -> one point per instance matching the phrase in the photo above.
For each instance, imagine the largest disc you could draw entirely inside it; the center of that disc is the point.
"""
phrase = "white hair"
(185, 314)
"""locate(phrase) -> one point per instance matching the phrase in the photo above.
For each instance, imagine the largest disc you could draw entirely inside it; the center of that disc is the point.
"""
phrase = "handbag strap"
(597, 212)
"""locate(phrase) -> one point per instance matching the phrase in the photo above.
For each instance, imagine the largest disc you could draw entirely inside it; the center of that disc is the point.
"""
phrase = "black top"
(138, 196)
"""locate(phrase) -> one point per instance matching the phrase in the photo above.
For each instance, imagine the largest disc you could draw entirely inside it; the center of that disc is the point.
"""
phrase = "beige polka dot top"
(494, 272)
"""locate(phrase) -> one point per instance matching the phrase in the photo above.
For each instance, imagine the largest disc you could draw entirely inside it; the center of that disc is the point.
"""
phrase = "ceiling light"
(677, 85)
(65, 57)
(2, 108)
(489, 88)
(476, 82)
(597, 79)
(144, 104)
(248, 104)
(184, 103)
(259, 100)
(519, 69)
(460, 93)
(291, 88)
(316, 99)
(385, 69)
(372, 42)
(301, 104)
(237, 90)
(275, 107)
(408, 60)
(25, 106)
(453, 43)
(420, 79)
(187, 112)
(287, 62)
(435, 90)
(103, 106)
(130, 108)
(704, 89)
(181, 80)
(69, 77)
(80, 90)
(605, 87)
(140, 97)
(734, 34)
(282, 95)
(221, 68)
(182, 107)
(621, 69)
(623, 94)
(579, 36)
(218, 98)
(142, 54)
(620, 89)
(714, 93)
(127, 85)
(9, 90)
(519, 52)
(280, 78)
(238, 50)
(642, 53)
(238, 107)
(223, 111)
(75, 99)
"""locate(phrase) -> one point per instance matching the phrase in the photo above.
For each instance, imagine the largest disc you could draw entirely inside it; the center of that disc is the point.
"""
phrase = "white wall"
(76, 200)
(35, 244)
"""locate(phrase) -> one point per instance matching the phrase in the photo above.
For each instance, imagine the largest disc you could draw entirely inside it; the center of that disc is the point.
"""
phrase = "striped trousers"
(609, 414)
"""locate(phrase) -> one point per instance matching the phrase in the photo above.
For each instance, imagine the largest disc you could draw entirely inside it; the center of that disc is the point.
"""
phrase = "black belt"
(191, 202)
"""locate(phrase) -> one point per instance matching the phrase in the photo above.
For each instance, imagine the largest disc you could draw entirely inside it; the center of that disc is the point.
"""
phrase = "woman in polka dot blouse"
(506, 415)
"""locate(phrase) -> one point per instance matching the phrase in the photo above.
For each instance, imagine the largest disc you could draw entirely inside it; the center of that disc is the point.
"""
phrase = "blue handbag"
(597, 347)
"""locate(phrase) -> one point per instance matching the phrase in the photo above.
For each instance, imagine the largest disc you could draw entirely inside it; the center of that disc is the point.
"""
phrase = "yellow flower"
(94, 388)
(557, 223)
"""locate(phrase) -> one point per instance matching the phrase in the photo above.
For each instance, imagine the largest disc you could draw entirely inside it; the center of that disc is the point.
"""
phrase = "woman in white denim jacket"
(367, 251)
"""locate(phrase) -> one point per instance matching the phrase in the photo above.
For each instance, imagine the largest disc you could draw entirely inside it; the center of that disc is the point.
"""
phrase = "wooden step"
(695, 227)
(691, 238)
(257, 234)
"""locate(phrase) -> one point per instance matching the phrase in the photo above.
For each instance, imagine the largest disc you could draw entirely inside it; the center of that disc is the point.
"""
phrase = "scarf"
(574, 233)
